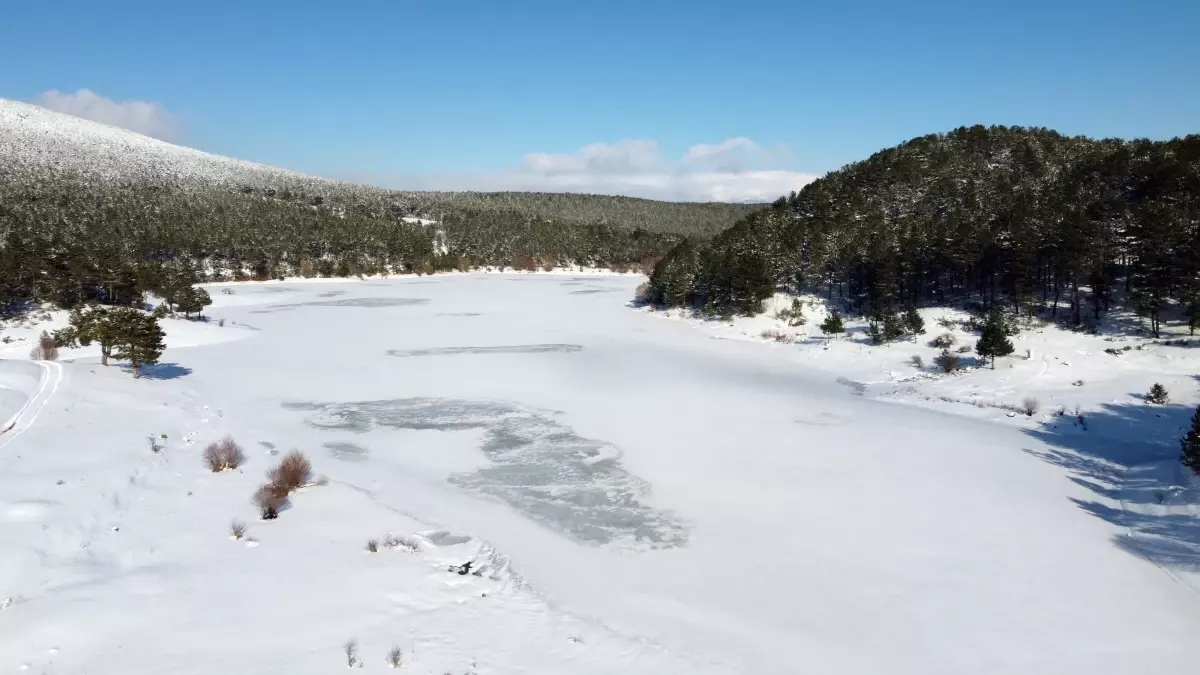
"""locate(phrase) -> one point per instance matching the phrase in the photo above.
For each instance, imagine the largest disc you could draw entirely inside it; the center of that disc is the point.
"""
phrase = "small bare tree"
(269, 498)
(373, 545)
(237, 529)
(1030, 405)
(44, 349)
(351, 650)
(394, 657)
(293, 471)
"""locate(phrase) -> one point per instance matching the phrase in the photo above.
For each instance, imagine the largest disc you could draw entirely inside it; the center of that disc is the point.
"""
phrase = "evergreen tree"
(1190, 445)
(1158, 395)
(993, 340)
(913, 322)
(833, 325)
(87, 326)
(886, 326)
(139, 338)
(192, 299)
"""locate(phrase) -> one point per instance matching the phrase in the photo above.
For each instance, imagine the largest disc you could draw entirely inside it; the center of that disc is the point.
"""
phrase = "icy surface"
(657, 501)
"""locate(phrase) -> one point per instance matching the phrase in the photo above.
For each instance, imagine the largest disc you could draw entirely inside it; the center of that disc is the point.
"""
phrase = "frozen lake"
(695, 497)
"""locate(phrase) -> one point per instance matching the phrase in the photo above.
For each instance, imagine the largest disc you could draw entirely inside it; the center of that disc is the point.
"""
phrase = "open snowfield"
(637, 496)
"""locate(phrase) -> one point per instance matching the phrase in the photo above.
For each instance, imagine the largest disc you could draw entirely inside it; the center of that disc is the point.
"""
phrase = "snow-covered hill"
(33, 136)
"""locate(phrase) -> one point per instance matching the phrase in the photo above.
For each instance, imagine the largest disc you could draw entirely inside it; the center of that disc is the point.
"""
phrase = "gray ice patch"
(371, 303)
(351, 452)
(857, 387)
(590, 291)
(499, 349)
(541, 468)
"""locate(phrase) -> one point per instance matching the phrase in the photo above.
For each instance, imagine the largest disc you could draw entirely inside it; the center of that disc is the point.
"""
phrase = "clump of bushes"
(270, 498)
(947, 361)
(224, 454)
(943, 341)
(293, 472)
(776, 335)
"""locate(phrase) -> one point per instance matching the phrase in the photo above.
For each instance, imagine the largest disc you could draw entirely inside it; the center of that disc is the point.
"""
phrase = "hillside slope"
(89, 211)
(1015, 216)
(46, 144)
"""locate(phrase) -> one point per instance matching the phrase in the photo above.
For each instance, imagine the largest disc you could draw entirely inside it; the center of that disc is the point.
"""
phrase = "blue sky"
(454, 94)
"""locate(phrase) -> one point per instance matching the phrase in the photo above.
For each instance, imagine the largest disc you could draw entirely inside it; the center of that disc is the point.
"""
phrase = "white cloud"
(734, 170)
(144, 117)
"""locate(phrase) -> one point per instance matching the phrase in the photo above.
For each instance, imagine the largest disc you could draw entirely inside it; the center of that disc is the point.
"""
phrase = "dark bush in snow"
(1030, 405)
(947, 362)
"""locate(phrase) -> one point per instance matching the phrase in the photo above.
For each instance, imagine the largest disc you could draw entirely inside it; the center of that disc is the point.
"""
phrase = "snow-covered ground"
(639, 497)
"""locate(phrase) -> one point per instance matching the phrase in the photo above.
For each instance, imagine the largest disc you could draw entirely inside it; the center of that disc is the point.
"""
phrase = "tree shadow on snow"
(160, 371)
(1127, 454)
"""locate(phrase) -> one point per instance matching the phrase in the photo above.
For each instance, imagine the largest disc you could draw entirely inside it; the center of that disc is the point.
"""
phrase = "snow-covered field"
(637, 496)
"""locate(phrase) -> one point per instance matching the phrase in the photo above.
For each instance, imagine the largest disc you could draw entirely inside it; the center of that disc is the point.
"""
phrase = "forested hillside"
(89, 211)
(1022, 217)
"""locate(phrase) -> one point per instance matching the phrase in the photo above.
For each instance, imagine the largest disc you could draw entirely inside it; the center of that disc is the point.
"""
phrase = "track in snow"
(51, 377)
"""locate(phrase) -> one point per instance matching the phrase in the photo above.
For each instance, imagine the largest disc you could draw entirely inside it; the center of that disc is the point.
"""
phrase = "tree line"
(69, 236)
(1020, 218)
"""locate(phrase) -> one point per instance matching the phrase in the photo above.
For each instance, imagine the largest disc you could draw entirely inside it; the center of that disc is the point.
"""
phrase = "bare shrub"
(523, 263)
(776, 335)
(1030, 405)
(269, 498)
(293, 471)
(947, 362)
(393, 657)
(373, 545)
(237, 529)
(306, 268)
(641, 296)
(401, 543)
(212, 457)
(351, 650)
(943, 341)
(916, 361)
(224, 454)
(44, 349)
